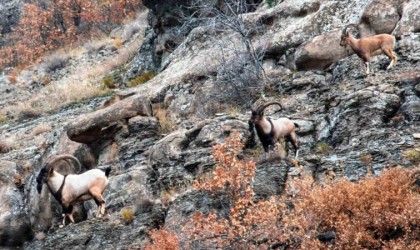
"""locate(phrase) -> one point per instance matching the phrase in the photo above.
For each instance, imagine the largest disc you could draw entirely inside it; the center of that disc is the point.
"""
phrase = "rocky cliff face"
(350, 123)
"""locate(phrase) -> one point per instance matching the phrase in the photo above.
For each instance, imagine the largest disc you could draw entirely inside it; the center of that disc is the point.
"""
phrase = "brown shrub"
(162, 240)
(250, 223)
(373, 213)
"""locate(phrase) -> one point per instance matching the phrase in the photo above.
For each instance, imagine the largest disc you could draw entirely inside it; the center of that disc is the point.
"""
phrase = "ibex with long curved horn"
(73, 188)
(366, 47)
(269, 131)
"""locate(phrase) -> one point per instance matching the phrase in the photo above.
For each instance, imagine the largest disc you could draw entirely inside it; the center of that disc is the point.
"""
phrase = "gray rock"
(381, 16)
(410, 21)
(15, 227)
(10, 11)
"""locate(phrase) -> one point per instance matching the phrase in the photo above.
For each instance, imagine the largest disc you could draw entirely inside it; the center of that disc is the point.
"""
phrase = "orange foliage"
(60, 23)
(162, 240)
(250, 223)
(375, 213)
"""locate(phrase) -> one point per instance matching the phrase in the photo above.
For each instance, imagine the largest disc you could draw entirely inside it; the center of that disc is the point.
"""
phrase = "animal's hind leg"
(294, 140)
(71, 213)
(67, 211)
(100, 202)
(391, 56)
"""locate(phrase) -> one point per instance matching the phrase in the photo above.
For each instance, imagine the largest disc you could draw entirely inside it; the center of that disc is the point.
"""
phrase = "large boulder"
(321, 51)
(15, 227)
(89, 128)
(410, 19)
(381, 16)
(10, 11)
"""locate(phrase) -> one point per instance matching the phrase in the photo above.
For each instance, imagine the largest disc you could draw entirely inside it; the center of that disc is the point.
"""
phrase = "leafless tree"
(240, 76)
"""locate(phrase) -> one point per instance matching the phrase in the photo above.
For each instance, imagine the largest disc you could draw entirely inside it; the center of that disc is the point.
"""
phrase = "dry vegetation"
(6, 145)
(40, 129)
(47, 26)
(375, 213)
(128, 215)
(81, 83)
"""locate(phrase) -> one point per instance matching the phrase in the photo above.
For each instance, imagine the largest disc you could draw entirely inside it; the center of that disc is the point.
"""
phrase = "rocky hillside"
(157, 137)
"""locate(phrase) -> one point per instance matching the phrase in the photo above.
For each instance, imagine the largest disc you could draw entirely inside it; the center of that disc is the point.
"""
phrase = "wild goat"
(269, 131)
(366, 47)
(73, 188)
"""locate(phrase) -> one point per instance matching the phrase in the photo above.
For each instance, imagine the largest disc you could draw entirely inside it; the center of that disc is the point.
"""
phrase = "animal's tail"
(107, 171)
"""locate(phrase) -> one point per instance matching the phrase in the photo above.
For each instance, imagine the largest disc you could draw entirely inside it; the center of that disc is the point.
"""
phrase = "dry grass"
(3, 117)
(25, 110)
(40, 129)
(52, 98)
(412, 155)
(366, 158)
(143, 78)
(128, 215)
(118, 42)
(83, 82)
(54, 62)
(6, 145)
(94, 46)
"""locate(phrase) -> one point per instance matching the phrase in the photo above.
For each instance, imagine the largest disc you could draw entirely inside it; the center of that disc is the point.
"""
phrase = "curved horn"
(56, 158)
(349, 25)
(262, 107)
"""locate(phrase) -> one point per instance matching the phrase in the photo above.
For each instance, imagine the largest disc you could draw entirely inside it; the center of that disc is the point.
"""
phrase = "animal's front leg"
(367, 68)
(64, 220)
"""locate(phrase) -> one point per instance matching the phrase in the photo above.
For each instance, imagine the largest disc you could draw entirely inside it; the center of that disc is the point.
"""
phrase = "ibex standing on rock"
(270, 131)
(366, 47)
(71, 189)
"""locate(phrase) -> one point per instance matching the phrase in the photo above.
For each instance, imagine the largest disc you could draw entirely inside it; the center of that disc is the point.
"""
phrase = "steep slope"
(350, 123)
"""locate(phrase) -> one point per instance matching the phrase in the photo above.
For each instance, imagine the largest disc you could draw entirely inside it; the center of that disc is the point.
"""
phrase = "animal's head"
(258, 113)
(344, 39)
(345, 35)
(43, 177)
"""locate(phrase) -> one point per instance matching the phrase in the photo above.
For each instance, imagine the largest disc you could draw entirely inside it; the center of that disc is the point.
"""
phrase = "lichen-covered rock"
(15, 227)
(9, 15)
(410, 21)
(380, 16)
(349, 123)
(321, 51)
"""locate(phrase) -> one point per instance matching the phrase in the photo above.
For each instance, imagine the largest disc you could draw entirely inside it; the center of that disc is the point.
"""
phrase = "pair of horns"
(261, 108)
(348, 26)
(52, 160)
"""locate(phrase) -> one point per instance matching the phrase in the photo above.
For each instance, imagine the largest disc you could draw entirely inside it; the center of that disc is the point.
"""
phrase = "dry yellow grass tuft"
(128, 215)
(5, 146)
(413, 155)
(118, 42)
(40, 129)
